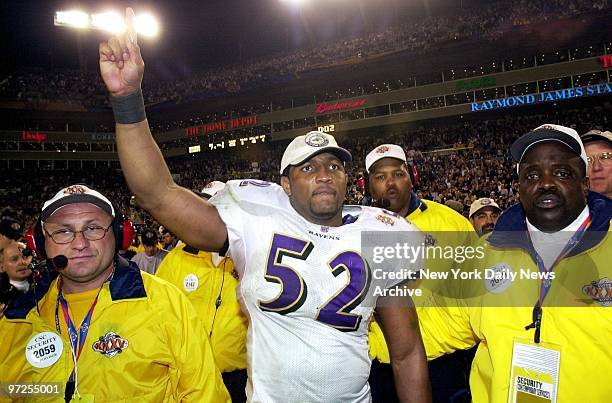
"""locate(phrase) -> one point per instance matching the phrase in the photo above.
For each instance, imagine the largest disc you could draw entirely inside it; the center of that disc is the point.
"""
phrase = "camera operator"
(16, 266)
(11, 231)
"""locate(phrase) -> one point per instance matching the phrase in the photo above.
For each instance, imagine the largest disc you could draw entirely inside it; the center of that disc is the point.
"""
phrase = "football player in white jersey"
(305, 287)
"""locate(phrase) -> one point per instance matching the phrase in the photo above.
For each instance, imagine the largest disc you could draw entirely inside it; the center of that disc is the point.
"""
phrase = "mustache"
(486, 229)
(392, 188)
(325, 189)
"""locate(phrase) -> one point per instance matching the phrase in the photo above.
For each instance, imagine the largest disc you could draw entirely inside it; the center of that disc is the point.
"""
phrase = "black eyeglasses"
(91, 233)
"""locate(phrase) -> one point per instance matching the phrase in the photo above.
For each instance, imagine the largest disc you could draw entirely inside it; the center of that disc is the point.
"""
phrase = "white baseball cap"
(76, 194)
(384, 151)
(312, 143)
(548, 132)
(212, 188)
(482, 203)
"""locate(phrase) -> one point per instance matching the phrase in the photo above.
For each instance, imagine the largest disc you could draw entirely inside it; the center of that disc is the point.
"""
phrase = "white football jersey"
(307, 292)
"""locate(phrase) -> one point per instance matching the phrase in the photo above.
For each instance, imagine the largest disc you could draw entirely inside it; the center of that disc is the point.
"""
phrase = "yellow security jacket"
(577, 313)
(13, 338)
(437, 221)
(207, 285)
(145, 343)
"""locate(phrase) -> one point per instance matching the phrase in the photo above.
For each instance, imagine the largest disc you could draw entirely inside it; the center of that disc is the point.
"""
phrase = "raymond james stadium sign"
(549, 96)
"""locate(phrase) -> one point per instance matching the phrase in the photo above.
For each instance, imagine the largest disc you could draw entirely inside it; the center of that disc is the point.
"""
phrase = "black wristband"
(129, 109)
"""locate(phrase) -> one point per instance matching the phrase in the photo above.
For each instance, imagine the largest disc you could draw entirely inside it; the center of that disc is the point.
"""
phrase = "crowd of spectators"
(42, 86)
(456, 161)
(418, 35)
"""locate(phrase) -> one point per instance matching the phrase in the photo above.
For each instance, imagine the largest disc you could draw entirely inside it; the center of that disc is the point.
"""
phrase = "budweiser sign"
(324, 107)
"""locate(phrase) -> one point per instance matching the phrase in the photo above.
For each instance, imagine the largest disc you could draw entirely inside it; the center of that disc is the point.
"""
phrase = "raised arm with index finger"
(295, 250)
(192, 219)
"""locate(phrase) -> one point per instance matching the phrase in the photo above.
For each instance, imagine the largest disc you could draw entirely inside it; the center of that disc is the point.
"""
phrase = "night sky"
(197, 35)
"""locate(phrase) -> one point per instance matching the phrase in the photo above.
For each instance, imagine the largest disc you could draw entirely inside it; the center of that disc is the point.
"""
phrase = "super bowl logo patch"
(391, 213)
(547, 127)
(110, 345)
(316, 140)
(600, 291)
(385, 220)
(75, 189)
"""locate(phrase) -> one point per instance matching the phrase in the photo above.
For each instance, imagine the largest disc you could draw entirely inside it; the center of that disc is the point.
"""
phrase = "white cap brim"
(76, 194)
(384, 151)
(302, 148)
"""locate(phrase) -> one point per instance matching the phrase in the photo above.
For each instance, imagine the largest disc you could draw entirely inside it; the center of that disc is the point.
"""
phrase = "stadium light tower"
(110, 21)
(73, 18)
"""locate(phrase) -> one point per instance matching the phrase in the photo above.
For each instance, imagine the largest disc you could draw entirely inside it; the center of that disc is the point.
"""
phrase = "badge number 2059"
(30, 389)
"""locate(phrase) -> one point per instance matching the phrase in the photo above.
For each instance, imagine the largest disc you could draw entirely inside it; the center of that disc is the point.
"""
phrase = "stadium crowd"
(420, 35)
(470, 154)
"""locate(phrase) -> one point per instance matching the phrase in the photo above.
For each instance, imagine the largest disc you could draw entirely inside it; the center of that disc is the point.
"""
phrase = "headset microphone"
(58, 263)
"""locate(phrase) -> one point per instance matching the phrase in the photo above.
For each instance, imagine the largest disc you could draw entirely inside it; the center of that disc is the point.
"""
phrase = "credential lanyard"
(546, 281)
(77, 339)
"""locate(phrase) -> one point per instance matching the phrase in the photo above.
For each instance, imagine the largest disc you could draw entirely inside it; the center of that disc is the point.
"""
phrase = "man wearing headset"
(391, 183)
(102, 329)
